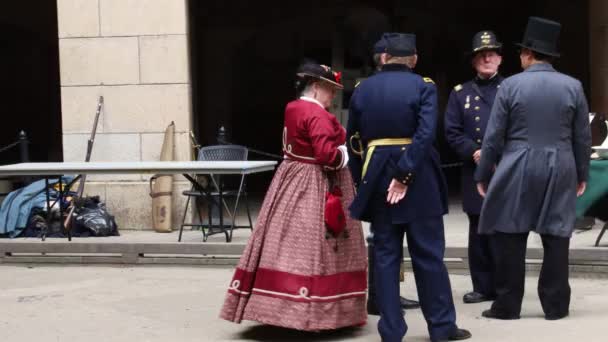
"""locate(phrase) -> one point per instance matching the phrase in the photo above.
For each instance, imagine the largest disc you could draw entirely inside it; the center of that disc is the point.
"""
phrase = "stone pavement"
(175, 303)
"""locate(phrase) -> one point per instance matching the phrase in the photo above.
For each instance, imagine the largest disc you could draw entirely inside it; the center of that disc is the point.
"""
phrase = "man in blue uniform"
(372, 308)
(466, 118)
(391, 128)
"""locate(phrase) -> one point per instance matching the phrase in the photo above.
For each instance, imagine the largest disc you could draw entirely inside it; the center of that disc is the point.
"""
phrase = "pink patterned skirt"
(290, 275)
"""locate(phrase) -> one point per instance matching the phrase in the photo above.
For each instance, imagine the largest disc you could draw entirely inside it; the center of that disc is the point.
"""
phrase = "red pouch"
(335, 221)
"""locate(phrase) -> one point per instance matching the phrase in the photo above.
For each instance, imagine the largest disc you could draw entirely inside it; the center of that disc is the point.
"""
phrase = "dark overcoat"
(539, 139)
(466, 117)
(396, 103)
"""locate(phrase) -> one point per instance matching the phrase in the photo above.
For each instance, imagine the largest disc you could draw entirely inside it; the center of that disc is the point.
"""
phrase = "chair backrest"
(223, 153)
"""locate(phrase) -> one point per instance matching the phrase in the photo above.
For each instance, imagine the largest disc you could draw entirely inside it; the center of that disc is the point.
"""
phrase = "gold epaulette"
(458, 87)
(428, 80)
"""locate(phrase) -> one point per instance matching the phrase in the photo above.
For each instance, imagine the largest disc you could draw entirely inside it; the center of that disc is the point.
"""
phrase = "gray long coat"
(539, 136)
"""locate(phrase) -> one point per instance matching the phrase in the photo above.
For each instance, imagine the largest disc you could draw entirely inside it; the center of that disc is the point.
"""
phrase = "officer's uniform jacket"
(466, 117)
(395, 103)
(539, 136)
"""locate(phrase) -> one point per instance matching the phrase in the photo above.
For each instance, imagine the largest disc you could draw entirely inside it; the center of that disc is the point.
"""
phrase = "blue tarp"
(17, 206)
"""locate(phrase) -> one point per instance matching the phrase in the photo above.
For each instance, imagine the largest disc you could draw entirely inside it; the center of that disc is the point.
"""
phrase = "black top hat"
(400, 44)
(485, 40)
(322, 72)
(542, 36)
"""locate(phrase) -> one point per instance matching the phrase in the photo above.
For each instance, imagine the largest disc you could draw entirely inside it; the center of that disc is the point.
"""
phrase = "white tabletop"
(153, 167)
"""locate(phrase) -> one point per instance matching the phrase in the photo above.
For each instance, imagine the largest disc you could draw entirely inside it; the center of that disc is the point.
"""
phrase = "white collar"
(310, 99)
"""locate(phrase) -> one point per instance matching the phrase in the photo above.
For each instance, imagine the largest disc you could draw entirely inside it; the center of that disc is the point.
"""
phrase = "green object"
(597, 186)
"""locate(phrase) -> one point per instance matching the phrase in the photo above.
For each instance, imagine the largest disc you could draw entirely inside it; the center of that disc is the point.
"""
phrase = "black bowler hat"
(542, 36)
(400, 44)
(322, 72)
(485, 40)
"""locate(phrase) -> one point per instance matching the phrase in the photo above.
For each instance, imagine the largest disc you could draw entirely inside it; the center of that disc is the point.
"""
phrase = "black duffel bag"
(92, 218)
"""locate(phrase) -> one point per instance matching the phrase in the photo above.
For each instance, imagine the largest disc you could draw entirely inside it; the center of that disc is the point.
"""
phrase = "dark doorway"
(30, 98)
(245, 53)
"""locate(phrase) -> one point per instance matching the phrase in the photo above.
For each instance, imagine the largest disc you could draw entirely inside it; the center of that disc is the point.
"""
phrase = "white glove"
(344, 150)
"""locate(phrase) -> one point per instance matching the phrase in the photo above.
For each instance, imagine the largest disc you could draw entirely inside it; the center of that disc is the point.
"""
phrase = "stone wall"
(135, 54)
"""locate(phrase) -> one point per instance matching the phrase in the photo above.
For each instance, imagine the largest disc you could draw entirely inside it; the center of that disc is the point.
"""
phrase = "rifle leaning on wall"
(80, 191)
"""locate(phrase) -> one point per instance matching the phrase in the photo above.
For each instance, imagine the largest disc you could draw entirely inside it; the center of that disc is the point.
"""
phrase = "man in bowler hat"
(534, 163)
(372, 307)
(402, 190)
(466, 118)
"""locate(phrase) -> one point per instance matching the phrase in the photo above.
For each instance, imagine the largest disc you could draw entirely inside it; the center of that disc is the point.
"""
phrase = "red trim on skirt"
(300, 288)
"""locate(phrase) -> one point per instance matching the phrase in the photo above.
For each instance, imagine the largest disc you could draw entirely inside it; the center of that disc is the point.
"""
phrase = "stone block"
(143, 17)
(127, 109)
(164, 59)
(99, 61)
(131, 204)
(151, 144)
(78, 18)
(78, 107)
(95, 189)
(147, 108)
(107, 147)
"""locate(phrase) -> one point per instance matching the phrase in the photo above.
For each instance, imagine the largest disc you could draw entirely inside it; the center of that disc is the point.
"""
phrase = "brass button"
(476, 98)
(479, 141)
(478, 129)
(477, 118)
(476, 108)
(403, 149)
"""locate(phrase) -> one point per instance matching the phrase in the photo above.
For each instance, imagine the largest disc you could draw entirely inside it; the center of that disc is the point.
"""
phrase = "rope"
(8, 147)
(274, 156)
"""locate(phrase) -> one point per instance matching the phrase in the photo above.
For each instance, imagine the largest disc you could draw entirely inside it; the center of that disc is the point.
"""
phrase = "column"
(135, 54)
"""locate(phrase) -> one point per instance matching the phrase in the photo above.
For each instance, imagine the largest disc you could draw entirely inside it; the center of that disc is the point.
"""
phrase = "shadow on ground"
(272, 333)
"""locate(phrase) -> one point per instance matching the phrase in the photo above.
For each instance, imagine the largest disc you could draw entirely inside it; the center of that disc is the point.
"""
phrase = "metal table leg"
(48, 209)
(60, 196)
(599, 237)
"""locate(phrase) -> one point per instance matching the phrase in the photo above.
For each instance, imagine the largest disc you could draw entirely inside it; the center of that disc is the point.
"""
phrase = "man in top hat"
(402, 190)
(372, 307)
(534, 163)
(466, 118)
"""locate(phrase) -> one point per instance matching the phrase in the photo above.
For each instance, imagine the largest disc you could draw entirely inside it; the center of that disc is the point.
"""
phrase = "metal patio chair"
(217, 193)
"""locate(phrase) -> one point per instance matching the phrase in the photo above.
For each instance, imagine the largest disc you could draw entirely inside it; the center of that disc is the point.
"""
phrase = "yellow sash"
(371, 146)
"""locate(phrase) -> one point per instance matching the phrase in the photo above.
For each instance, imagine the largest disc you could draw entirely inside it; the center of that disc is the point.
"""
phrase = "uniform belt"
(371, 146)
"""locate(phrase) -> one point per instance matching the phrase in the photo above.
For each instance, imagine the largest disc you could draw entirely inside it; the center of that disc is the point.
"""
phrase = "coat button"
(476, 98)
(364, 182)
(478, 129)
(403, 149)
(479, 141)
(477, 118)
(476, 108)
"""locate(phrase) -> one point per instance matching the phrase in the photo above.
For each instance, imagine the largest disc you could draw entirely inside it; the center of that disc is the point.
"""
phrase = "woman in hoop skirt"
(304, 266)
